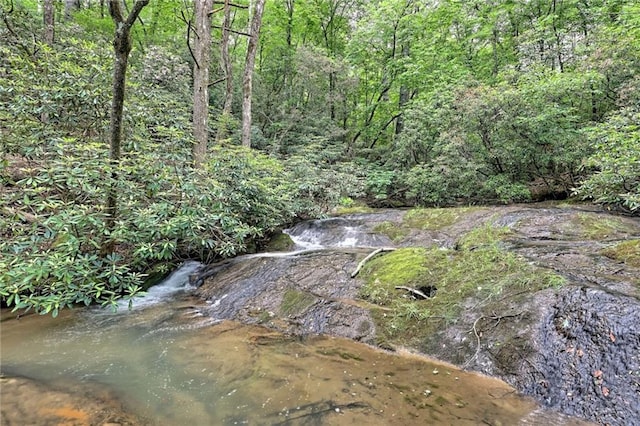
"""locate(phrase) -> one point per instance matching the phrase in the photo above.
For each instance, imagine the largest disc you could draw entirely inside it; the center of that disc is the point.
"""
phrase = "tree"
(227, 69)
(381, 49)
(70, 6)
(202, 59)
(247, 80)
(122, 47)
(49, 20)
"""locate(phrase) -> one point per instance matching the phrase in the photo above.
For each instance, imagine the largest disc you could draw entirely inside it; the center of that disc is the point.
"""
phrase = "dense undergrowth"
(54, 231)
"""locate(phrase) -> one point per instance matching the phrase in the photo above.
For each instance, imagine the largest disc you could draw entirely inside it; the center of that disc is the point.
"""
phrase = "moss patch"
(598, 227)
(475, 274)
(486, 235)
(401, 267)
(354, 209)
(433, 219)
(392, 230)
(280, 242)
(626, 251)
(295, 302)
(423, 220)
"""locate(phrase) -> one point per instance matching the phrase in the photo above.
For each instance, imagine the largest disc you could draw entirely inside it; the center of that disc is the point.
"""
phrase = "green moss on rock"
(626, 251)
(391, 230)
(474, 274)
(486, 235)
(401, 267)
(597, 227)
(353, 209)
(423, 219)
(295, 302)
(280, 242)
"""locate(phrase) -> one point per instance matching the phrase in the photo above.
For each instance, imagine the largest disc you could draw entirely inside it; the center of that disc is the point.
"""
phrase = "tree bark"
(228, 74)
(121, 47)
(202, 53)
(403, 96)
(247, 80)
(70, 6)
(49, 22)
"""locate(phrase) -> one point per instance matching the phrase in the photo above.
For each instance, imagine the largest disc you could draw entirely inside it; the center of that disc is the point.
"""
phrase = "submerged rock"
(29, 402)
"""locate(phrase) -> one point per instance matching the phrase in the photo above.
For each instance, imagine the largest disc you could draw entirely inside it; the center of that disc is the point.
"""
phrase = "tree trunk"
(332, 95)
(122, 48)
(247, 80)
(49, 21)
(228, 74)
(70, 6)
(290, 4)
(403, 95)
(204, 8)
(48, 18)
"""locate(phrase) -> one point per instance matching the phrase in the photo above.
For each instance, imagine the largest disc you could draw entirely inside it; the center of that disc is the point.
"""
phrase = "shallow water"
(171, 366)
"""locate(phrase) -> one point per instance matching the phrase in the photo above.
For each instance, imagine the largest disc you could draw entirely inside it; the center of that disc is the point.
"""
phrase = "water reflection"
(172, 366)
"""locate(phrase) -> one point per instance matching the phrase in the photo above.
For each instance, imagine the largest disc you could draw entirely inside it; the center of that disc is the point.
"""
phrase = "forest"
(136, 134)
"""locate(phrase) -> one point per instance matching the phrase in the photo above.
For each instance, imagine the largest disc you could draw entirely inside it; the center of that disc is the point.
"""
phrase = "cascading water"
(177, 282)
(334, 232)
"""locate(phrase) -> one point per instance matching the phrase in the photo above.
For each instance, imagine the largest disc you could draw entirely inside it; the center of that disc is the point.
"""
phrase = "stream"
(202, 356)
(165, 365)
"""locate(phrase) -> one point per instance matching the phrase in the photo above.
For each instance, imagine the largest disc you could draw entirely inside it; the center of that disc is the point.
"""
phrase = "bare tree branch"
(232, 31)
(189, 29)
(239, 6)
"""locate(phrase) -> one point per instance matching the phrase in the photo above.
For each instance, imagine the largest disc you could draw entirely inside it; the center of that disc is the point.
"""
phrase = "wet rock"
(587, 357)
(254, 291)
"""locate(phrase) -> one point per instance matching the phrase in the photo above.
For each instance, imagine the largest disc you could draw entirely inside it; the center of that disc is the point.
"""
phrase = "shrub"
(616, 180)
(167, 211)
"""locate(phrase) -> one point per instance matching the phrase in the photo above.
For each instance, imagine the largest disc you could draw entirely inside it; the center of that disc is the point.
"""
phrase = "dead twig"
(24, 216)
(497, 318)
(370, 256)
(475, 331)
(412, 291)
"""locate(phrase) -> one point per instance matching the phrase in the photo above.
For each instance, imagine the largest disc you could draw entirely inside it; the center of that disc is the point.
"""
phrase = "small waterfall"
(334, 232)
(175, 283)
(305, 236)
(318, 234)
(350, 237)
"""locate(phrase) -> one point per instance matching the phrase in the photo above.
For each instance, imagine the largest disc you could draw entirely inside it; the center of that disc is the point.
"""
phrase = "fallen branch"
(414, 291)
(494, 317)
(475, 331)
(369, 257)
(26, 217)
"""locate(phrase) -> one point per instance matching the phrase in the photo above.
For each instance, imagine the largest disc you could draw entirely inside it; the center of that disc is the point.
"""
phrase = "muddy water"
(168, 365)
